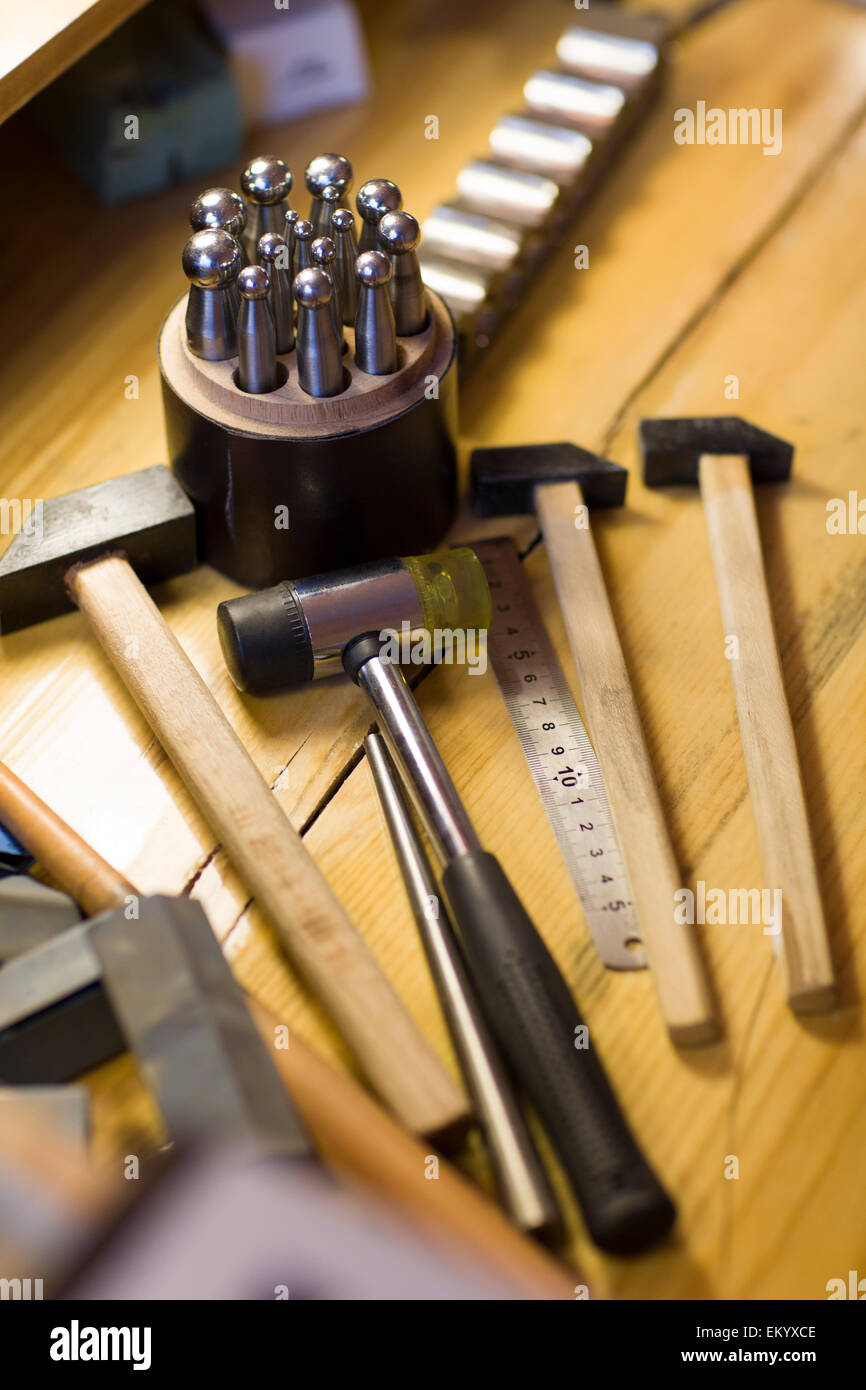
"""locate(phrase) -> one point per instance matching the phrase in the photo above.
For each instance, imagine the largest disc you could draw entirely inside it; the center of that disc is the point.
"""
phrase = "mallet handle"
(263, 846)
(618, 739)
(766, 731)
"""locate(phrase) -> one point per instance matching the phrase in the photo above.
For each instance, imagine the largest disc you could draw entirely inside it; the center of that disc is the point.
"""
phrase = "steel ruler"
(560, 756)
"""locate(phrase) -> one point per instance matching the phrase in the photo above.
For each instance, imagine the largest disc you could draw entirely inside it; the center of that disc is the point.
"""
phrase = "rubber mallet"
(724, 455)
(98, 549)
(561, 483)
(271, 640)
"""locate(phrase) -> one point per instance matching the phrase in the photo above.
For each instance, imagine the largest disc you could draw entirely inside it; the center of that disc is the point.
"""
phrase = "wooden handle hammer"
(98, 548)
(560, 482)
(723, 455)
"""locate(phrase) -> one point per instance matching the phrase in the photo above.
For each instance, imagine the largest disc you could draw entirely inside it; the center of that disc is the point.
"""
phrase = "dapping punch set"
(295, 444)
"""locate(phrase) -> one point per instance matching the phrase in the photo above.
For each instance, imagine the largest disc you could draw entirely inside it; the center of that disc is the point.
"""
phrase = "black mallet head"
(671, 449)
(144, 516)
(504, 480)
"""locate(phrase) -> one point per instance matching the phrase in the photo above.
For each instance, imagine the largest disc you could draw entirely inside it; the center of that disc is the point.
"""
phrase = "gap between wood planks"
(820, 167)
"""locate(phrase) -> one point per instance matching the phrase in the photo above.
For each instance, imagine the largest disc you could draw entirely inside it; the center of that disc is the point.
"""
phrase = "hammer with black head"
(723, 455)
(560, 482)
(98, 549)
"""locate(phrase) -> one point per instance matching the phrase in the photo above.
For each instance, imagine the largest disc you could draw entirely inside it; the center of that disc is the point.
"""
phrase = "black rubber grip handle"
(534, 1018)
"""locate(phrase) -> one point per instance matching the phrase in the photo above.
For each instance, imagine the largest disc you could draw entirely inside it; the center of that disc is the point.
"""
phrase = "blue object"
(14, 858)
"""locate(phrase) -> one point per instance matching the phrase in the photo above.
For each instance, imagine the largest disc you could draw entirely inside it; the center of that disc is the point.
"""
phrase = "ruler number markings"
(559, 753)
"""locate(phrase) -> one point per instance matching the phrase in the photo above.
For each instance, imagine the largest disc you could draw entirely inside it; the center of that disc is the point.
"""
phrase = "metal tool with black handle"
(518, 1171)
(300, 630)
(527, 1002)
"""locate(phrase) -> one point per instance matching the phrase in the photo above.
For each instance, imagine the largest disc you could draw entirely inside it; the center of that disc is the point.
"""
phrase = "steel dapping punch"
(324, 253)
(562, 483)
(724, 456)
(212, 262)
(525, 998)
(221, 209)
(399, 235)
(520, 1178)
(266, 183)
(320, 368)
(375, 331)
(346, 243)
(256, 334)
(97, 547)
(275, 256)
(305, 234)
(327, 171)
(374, 199)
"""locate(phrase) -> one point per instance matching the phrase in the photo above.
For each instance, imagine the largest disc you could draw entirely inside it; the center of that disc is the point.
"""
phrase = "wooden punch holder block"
(287, 483)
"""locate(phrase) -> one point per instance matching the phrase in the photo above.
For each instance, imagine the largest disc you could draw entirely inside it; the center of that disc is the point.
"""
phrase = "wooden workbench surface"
(706, 263)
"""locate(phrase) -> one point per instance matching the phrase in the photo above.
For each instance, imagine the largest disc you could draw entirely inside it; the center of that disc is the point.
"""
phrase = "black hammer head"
(671, 448)
(504, 480)
(145, 516)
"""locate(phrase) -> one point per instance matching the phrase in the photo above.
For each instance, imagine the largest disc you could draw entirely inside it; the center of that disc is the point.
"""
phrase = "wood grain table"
(708, 264)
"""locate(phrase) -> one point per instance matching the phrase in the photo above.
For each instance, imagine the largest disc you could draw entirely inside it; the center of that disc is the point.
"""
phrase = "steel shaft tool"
(517, 1168)
(276, 635)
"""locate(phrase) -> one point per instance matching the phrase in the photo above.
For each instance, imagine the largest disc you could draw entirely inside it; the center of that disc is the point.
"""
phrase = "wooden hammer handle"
(263, 846)
(357, 1139)
(364, 1146)
(86, 876)
(617, 736)
(766, 731)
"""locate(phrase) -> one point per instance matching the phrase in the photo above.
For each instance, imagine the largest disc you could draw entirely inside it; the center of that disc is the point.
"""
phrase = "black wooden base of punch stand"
(286, 484)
